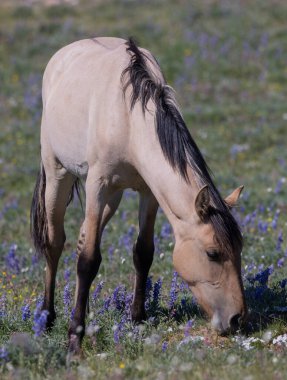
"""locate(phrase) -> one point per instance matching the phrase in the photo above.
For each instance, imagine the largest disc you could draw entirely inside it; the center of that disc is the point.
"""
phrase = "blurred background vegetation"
(227, 63)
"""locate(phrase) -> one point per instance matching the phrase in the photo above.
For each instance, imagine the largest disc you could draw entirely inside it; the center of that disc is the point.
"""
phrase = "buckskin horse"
(110, 120)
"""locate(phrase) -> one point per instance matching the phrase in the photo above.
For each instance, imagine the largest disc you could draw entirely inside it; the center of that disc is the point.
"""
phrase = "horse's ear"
(202, 202)
(232, 199)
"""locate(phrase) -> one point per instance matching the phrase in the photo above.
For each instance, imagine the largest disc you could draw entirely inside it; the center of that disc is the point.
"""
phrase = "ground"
(227, 63)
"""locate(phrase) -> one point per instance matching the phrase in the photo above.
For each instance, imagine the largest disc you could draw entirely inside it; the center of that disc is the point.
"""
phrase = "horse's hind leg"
(58, 189)
(143, 253)
(101, 203)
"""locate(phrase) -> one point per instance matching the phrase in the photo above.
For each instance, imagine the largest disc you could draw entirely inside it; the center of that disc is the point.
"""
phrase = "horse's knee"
(88, 265)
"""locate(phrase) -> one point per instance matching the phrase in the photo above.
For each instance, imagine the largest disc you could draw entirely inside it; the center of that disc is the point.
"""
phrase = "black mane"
(176, 143)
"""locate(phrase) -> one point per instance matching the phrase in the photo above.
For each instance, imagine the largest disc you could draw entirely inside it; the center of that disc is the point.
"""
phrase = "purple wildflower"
(283, 283)
(12, 261)
(279, 241)
(35, 260)
(259, 290)
(173, 291)
(67, 297)
(128, 302)
(40, 321)
(26, 312)
(98, 290)
(148, 292)
(166, 231)
(67, 274)
(107, 303)
(156, 292)
(236, 149)
(119, 297)
(4, 355)
(187, 327)
(275, 220)
(280, 262)
(119, 329)
(262, 226)
(164, 346)
(111, 251)
(262, 277)
(124, 215)
(3, 301)
(279, 185)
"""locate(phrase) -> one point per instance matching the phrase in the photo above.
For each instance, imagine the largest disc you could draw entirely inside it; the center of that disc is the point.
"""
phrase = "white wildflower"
(280, 340)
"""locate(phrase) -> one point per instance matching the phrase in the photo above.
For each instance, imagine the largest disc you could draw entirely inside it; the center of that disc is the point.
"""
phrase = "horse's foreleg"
(101, 204)
(143, 253)
(58, 188)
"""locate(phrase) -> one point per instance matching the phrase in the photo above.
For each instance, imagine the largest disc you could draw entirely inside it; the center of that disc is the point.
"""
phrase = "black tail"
(38, 215)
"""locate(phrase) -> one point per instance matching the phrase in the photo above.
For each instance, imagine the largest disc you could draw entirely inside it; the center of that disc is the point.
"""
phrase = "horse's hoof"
(74, 346)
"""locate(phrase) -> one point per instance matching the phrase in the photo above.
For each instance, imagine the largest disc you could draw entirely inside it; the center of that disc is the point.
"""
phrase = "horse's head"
(208, 258)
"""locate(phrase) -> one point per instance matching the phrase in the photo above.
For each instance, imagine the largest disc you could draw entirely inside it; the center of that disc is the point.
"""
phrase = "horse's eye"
(213, 255)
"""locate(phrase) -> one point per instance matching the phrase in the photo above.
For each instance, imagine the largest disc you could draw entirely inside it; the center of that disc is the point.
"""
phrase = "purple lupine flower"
(111, 251)
(67, 297)
(280, 262)
(3, 301)
(4, 355)
(166, 230)
(119, 297)
(183, 303)
(35, 260)
(279, 185)
(118, 330)
(117, 334)
(164, 346)
(283, 283)
(262, 226)
(74, 255)
(262, 277)
(67, 274)
(12, 261)
(40, 321)
(188, 327)
(183, 285)
(246, 220)
(131, 231)
(237, 148)
(148, 291)
(26, 312)
(98, 290)
(259, 290)
(279, 241)
(128, 302)
(107, 303)
(275, 220)
(173, 291)
(156, 292)
(124, 215)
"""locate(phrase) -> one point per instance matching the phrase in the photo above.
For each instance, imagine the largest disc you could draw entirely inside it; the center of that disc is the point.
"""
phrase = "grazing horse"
(110, 119)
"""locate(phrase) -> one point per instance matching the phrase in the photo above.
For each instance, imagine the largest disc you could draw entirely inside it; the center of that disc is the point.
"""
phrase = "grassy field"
(227, 63)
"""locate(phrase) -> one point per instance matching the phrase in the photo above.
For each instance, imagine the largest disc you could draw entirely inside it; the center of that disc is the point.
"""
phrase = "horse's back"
(82, 98)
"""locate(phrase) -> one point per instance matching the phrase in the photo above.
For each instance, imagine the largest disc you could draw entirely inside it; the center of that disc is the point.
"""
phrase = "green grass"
(227, 63)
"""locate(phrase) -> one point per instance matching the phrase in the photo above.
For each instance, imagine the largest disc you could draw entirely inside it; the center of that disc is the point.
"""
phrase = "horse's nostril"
(235, 322)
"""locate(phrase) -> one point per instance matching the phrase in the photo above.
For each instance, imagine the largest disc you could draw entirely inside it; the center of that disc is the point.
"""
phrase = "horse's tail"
(38, 215)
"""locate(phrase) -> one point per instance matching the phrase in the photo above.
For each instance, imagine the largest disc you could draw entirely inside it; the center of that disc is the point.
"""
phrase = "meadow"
(227, 63)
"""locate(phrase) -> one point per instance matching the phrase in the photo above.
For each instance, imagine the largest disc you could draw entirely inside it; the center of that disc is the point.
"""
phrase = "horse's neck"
(175, 196)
